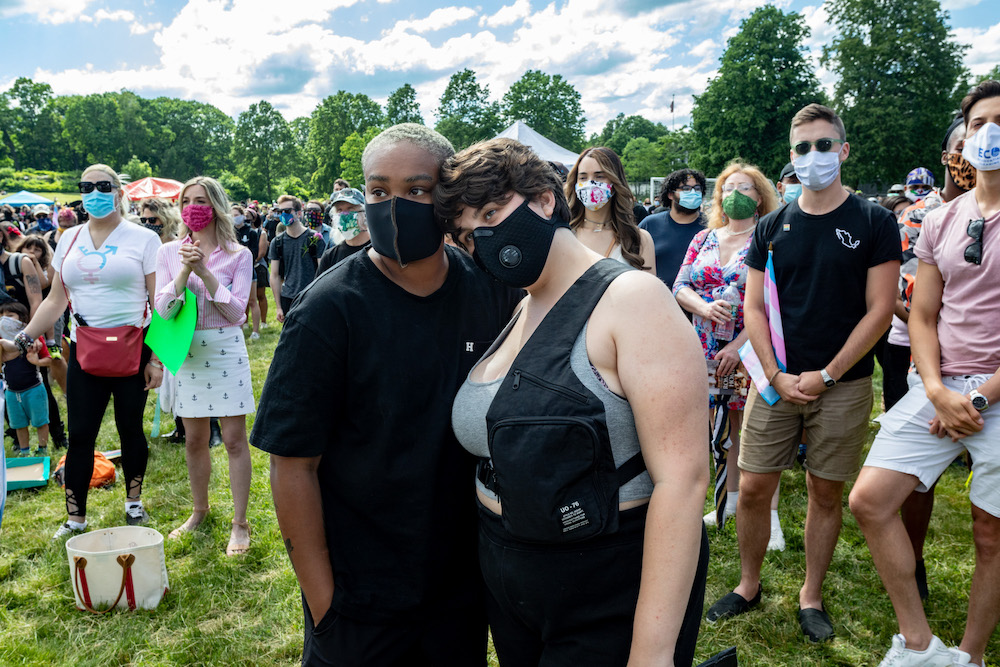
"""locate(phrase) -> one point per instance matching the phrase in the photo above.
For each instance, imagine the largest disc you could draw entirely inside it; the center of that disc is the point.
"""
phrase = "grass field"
(223, 611)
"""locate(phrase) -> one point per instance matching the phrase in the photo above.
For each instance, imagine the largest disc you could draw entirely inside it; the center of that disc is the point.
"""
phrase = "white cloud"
(439, 19)
(47, 11)
(507, 15)
(138, 28)
(984, 47)
(952, 5)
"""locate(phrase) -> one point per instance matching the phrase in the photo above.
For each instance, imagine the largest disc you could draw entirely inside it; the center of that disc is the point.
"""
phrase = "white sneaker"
(68, 529)
(960, 658)
(935, 655)
(254, 336)
(709, 519)
(777, 541)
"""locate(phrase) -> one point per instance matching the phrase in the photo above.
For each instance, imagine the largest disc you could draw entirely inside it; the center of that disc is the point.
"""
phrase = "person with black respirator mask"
(373, 497)
(582, 413)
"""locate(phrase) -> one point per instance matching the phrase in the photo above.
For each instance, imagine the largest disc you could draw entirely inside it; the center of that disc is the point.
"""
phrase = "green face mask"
(737, 206)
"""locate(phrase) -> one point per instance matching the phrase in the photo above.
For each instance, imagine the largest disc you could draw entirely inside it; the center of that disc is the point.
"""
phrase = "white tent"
(546, 149)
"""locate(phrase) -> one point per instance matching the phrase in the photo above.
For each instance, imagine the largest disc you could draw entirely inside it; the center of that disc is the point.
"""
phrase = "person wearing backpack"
(294, 255)
(583, 413)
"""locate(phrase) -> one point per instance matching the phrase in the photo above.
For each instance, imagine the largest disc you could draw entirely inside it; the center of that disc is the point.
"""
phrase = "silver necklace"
(599, 228)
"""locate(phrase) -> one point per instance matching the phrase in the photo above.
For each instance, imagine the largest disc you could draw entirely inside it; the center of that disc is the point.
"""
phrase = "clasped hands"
(192, 258)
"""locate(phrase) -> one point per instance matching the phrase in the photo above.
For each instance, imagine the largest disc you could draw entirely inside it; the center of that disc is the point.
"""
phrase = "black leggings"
(86, 400)
(55, 420)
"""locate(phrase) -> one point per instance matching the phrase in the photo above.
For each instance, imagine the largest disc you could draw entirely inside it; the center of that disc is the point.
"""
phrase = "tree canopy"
(465, 113)
(764, 78)
(549, 104)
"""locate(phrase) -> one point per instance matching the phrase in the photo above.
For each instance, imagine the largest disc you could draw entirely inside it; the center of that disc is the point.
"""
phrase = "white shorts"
(904, 443)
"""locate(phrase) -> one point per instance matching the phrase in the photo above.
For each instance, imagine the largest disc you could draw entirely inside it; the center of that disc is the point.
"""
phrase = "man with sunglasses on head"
(836, 263)
(954, 328)
(673, 229)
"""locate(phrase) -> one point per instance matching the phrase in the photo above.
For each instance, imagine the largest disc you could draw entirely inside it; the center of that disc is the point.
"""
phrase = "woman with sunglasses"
(160, 216)
(711, 285)
(106, 268)
(598, 382)
(601, 215)
(214, 380)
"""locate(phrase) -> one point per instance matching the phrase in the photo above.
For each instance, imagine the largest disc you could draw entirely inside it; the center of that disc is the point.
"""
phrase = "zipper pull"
(517, 379)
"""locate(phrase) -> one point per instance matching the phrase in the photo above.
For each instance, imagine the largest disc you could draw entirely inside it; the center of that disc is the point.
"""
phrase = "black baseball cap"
(786, 171)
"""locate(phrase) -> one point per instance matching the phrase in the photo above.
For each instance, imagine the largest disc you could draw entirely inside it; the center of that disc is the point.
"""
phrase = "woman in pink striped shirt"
(214, 380)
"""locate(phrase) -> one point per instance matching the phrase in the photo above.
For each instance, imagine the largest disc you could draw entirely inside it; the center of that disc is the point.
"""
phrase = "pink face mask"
(197, 216)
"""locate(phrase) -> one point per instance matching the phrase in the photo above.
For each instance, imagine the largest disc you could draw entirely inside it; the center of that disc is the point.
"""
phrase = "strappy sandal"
(238, 548)
(187, 526)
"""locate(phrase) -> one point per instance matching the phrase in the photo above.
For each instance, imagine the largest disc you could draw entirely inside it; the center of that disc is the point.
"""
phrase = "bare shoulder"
(645, 236)
(638, 289)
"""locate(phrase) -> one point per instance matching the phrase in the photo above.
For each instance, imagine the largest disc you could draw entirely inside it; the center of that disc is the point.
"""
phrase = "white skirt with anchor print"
(214, 380)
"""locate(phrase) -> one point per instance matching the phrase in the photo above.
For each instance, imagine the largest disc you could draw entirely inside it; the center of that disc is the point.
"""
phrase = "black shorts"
(574, 604)
(432, 638)
(263, 277)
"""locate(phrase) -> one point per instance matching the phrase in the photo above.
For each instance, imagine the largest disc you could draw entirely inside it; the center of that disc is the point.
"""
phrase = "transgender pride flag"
(747, 354)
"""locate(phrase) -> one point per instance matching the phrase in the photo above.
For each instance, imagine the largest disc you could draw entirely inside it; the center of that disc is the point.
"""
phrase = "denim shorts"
(28, 406)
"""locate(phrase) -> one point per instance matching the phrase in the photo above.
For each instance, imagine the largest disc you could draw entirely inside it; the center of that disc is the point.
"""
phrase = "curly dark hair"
(490, 172)
(677, 179)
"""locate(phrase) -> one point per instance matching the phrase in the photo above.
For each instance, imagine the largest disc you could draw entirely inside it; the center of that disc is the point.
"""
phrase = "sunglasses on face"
(102, 186)
(974, 251)
(822, 145)
(150, 221)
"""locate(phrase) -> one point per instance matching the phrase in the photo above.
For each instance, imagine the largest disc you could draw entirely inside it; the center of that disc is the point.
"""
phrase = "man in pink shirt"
(955, 339)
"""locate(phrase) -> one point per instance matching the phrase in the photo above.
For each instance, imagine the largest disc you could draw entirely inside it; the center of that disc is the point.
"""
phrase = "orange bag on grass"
(104, 472)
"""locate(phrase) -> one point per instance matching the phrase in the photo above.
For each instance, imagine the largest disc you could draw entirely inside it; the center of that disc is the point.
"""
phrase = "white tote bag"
(117, 567)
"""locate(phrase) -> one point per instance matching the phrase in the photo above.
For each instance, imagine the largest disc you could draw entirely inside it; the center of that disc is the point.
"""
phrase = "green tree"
(764, 78)
(465, 114)
(622, 129)
(235, 187)
(189, 138)
(262, 148)
(293, 185)
(350, 154)
(331, 122)
(676, 149)
(897, 70)
(22, 108)
(402, 107)
(641, 159)
(549, 105)
(303, 164)
(136, 169)
(83, 115)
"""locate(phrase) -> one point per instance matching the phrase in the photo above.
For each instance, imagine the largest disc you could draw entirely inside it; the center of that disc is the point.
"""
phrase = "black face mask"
(514, 251)
(403, 230)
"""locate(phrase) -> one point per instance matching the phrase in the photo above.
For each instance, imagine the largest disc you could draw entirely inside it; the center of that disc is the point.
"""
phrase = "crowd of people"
(516, 373)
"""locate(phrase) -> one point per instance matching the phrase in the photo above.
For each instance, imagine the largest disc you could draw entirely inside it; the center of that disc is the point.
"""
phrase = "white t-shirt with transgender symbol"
(107, 285)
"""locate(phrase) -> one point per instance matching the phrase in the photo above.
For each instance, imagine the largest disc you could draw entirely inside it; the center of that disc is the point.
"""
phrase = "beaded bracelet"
(23, 342)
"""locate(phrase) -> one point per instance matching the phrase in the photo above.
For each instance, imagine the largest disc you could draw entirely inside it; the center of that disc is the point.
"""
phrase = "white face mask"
(816, 170)
(10, 327)
(982, 149)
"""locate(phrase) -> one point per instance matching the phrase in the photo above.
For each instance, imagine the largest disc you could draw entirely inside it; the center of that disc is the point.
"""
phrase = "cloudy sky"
(628, 56)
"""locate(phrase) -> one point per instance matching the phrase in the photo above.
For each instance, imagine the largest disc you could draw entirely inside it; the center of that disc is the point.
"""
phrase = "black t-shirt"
(821, 267)
(337, 253)
(670, 242)
(249, 238)
(364, 375)
(20, 374)
(271, 228)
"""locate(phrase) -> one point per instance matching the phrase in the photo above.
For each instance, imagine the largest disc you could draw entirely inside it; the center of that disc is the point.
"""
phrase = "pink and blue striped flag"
(747, 354)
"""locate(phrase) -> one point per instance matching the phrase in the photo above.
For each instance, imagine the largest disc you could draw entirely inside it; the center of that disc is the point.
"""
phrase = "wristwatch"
(827, 380)
(979, 401)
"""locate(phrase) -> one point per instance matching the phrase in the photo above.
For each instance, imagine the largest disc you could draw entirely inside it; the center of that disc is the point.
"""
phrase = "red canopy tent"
(153, 187)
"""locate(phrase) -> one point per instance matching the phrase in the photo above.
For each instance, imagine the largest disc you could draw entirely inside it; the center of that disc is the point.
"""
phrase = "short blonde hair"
(768, 196)
(122, 206)
(296, 202)
(224, 231)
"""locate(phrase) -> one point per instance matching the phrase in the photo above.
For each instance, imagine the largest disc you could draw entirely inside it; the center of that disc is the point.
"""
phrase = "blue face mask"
(792, 192)
(690, 199)
(99, 204)
(286, 218)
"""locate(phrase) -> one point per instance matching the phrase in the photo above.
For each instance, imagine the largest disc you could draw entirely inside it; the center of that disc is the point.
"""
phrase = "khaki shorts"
(836, 427)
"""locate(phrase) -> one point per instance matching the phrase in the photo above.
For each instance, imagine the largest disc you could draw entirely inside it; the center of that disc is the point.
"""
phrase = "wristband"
(154, 364)
(23, 342)
(771, 379)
